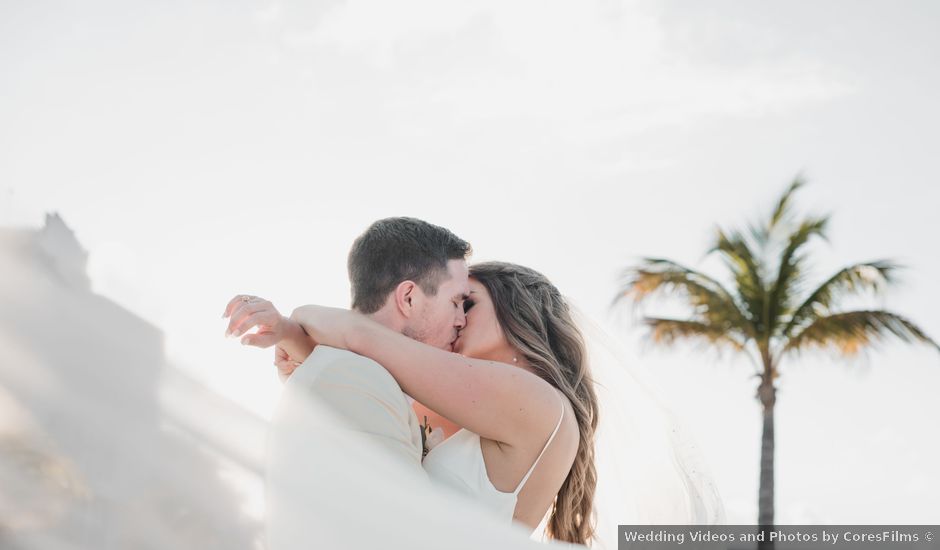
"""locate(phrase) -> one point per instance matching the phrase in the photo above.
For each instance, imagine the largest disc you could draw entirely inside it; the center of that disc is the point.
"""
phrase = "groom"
(406, 274)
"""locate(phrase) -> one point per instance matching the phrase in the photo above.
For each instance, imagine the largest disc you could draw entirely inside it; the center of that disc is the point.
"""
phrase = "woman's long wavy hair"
(537, 322)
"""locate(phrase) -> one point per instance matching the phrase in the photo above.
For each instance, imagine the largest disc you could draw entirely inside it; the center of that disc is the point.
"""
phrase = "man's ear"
(405, 294)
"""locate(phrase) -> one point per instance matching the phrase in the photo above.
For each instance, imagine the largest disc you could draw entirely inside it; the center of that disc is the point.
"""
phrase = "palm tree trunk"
(765, 514)
(765, 503)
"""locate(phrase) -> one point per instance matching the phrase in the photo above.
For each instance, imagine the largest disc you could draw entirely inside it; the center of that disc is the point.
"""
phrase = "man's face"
(439, 317)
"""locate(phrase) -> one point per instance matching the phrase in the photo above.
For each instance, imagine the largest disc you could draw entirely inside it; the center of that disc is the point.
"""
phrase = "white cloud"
(569, 65)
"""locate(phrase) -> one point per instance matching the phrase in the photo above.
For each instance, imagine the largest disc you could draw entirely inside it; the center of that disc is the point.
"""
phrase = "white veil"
(335, 491)
(649, 470)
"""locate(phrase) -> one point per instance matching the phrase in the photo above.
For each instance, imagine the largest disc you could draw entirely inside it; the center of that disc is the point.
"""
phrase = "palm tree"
(767, 313)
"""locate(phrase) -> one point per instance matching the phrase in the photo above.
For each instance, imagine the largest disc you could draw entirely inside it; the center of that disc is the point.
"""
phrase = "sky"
(204, 149)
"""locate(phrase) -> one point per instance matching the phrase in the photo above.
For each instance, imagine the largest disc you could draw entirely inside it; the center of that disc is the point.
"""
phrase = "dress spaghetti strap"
(526, 478)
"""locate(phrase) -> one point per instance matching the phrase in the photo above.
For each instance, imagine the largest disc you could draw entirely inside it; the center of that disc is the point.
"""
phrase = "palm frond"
(873, 275)
(708, 298)
(748, 275)
(783, 205)
(789, 270)
(763, 233)
(666, 332)
(850, 332)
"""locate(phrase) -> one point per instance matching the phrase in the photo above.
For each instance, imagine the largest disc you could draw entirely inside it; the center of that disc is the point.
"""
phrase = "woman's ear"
(405, 294)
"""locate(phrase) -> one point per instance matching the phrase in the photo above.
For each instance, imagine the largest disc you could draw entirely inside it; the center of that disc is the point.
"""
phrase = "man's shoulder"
(348, 382)
(333, 364)
(323, 356)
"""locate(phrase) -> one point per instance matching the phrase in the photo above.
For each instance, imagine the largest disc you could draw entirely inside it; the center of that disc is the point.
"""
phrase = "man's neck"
(386, 318)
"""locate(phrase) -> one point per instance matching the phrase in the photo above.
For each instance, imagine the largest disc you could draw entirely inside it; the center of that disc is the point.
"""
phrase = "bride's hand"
(293, 344)
(246, 312)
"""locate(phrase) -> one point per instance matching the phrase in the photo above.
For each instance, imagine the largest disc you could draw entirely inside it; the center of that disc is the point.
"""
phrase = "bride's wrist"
(293, 330)
(325, 325)
(295, 314)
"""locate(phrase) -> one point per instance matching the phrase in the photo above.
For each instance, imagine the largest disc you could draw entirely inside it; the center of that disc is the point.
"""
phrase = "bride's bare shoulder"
(569, 432)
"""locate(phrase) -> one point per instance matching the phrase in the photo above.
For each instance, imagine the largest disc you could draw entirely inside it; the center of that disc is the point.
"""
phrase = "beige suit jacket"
(334, 404)
(364, 395)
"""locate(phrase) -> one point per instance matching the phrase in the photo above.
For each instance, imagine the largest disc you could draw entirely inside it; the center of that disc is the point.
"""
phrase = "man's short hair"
(393, 250)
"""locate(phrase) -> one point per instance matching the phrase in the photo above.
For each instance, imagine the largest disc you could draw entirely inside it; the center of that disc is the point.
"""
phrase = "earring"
(515, 359)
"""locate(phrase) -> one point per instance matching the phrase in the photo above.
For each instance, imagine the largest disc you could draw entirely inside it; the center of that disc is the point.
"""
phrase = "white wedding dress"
(457, 462)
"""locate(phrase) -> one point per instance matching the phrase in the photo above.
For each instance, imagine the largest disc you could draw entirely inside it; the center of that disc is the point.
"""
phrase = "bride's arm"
(492, 399)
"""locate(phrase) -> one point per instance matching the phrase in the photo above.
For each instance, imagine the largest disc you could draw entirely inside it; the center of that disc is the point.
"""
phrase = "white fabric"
(344, 469)
(458, 462)
(649, 469)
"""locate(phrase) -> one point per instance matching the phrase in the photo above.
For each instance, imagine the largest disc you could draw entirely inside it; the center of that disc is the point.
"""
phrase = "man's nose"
(461, 320)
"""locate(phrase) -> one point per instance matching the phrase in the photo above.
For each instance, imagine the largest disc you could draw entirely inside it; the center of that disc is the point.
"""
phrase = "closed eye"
(467, 304)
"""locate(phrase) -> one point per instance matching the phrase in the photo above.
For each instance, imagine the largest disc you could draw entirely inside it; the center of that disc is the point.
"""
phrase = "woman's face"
(482, 337)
